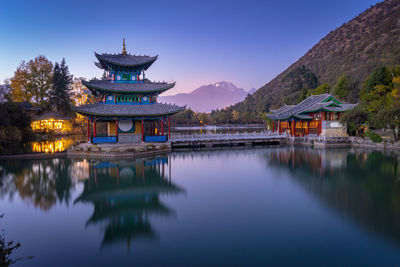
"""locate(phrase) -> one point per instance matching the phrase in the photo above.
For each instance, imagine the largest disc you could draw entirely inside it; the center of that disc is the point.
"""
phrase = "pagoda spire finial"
(123, 47)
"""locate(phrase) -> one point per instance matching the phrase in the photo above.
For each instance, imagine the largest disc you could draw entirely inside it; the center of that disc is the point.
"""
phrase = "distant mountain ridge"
(356, 48)
(208, 97)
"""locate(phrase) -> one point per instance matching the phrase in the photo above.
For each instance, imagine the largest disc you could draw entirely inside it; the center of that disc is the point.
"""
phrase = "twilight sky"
(198, 42)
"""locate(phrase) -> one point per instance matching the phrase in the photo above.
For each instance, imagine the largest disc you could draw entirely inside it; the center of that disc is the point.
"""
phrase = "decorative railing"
(225, 136)
(104, 139)
(155, 138)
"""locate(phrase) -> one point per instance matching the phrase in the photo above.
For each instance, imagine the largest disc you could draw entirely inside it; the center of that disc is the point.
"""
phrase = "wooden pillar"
(115, 99)
(322, 115)
(293, 128)
(94, 127)
(338, 116)
(162, 125)
(169, 128)
(307, 128)
(142, 130)
(273, 126)
(301, 122)
(116, 129)
(319, 127)
(88, 129)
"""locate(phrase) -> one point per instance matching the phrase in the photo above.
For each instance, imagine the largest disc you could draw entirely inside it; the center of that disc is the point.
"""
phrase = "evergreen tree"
(342, 87)
(60, 97)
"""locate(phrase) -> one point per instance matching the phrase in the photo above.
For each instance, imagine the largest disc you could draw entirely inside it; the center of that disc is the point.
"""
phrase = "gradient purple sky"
(198, 42)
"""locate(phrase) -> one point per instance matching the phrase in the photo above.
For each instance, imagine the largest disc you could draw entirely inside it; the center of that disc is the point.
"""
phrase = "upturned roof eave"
(289, 117)
(77, 110)
(160, 90)
(150, 61)
(128, 115)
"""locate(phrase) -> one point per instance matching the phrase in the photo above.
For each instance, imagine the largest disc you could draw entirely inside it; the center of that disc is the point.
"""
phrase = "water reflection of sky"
(292, 206)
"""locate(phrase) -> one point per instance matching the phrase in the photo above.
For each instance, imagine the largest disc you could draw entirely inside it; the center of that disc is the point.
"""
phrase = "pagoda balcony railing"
(115, 81)
(104, 139)
(156, 138)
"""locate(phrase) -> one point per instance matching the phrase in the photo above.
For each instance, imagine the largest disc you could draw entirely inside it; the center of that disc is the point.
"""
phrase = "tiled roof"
(282, 109)
(51, 115)
(138, 110)
(145, 87)
(127, 60)
(311, 104)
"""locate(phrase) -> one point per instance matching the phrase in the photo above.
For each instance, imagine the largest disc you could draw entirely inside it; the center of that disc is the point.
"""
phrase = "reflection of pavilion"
(364, 187)
(124, 195)
(321, 161)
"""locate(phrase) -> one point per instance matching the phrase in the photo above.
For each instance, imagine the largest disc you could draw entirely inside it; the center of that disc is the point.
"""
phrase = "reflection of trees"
(40, 182)
(125, 194)
(365, 188)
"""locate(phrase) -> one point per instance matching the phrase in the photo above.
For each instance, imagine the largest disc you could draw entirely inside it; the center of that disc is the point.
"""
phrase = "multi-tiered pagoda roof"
(127, 100)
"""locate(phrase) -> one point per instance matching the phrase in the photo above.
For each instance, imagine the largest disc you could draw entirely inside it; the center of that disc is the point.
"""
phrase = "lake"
(275, 205)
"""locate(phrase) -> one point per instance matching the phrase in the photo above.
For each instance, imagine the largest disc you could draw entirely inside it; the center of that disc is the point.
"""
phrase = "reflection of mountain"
(125, 194)
(364, 187)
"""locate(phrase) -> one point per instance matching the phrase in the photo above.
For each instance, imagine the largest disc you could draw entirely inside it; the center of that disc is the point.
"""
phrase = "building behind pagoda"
(127, 102)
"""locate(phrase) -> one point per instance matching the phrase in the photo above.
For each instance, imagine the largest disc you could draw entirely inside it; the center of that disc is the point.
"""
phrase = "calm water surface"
(276, 206)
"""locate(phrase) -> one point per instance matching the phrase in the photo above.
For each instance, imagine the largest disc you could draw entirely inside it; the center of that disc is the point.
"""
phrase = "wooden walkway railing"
(250, 136)
(224, 136)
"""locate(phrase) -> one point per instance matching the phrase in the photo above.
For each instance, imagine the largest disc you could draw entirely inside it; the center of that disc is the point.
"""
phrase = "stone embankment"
(366, 142)
(118, 150)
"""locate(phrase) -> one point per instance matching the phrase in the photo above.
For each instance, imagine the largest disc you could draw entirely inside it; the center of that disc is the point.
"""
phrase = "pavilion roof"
(313, 103)
(129, 110)
(125, 60)
(282, 109)
(51, 115)
(146, 87)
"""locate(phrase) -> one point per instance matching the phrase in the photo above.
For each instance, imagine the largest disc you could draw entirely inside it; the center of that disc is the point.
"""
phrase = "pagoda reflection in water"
(125, 194)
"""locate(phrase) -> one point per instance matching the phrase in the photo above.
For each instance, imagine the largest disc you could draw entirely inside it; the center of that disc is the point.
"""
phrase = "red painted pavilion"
(317, 115)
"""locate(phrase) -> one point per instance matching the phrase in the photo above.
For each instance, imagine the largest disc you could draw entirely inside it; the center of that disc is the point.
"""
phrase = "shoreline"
(151, 149)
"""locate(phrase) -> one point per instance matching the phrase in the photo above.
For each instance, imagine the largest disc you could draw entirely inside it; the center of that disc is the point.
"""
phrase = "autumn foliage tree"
(20, 84)
(32, 82)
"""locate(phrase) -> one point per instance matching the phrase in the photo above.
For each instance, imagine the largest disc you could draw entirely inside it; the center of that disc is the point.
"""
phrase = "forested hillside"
(346, 55)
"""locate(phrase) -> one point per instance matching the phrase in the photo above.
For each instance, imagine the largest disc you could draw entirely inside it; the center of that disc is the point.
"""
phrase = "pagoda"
(127, 101)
